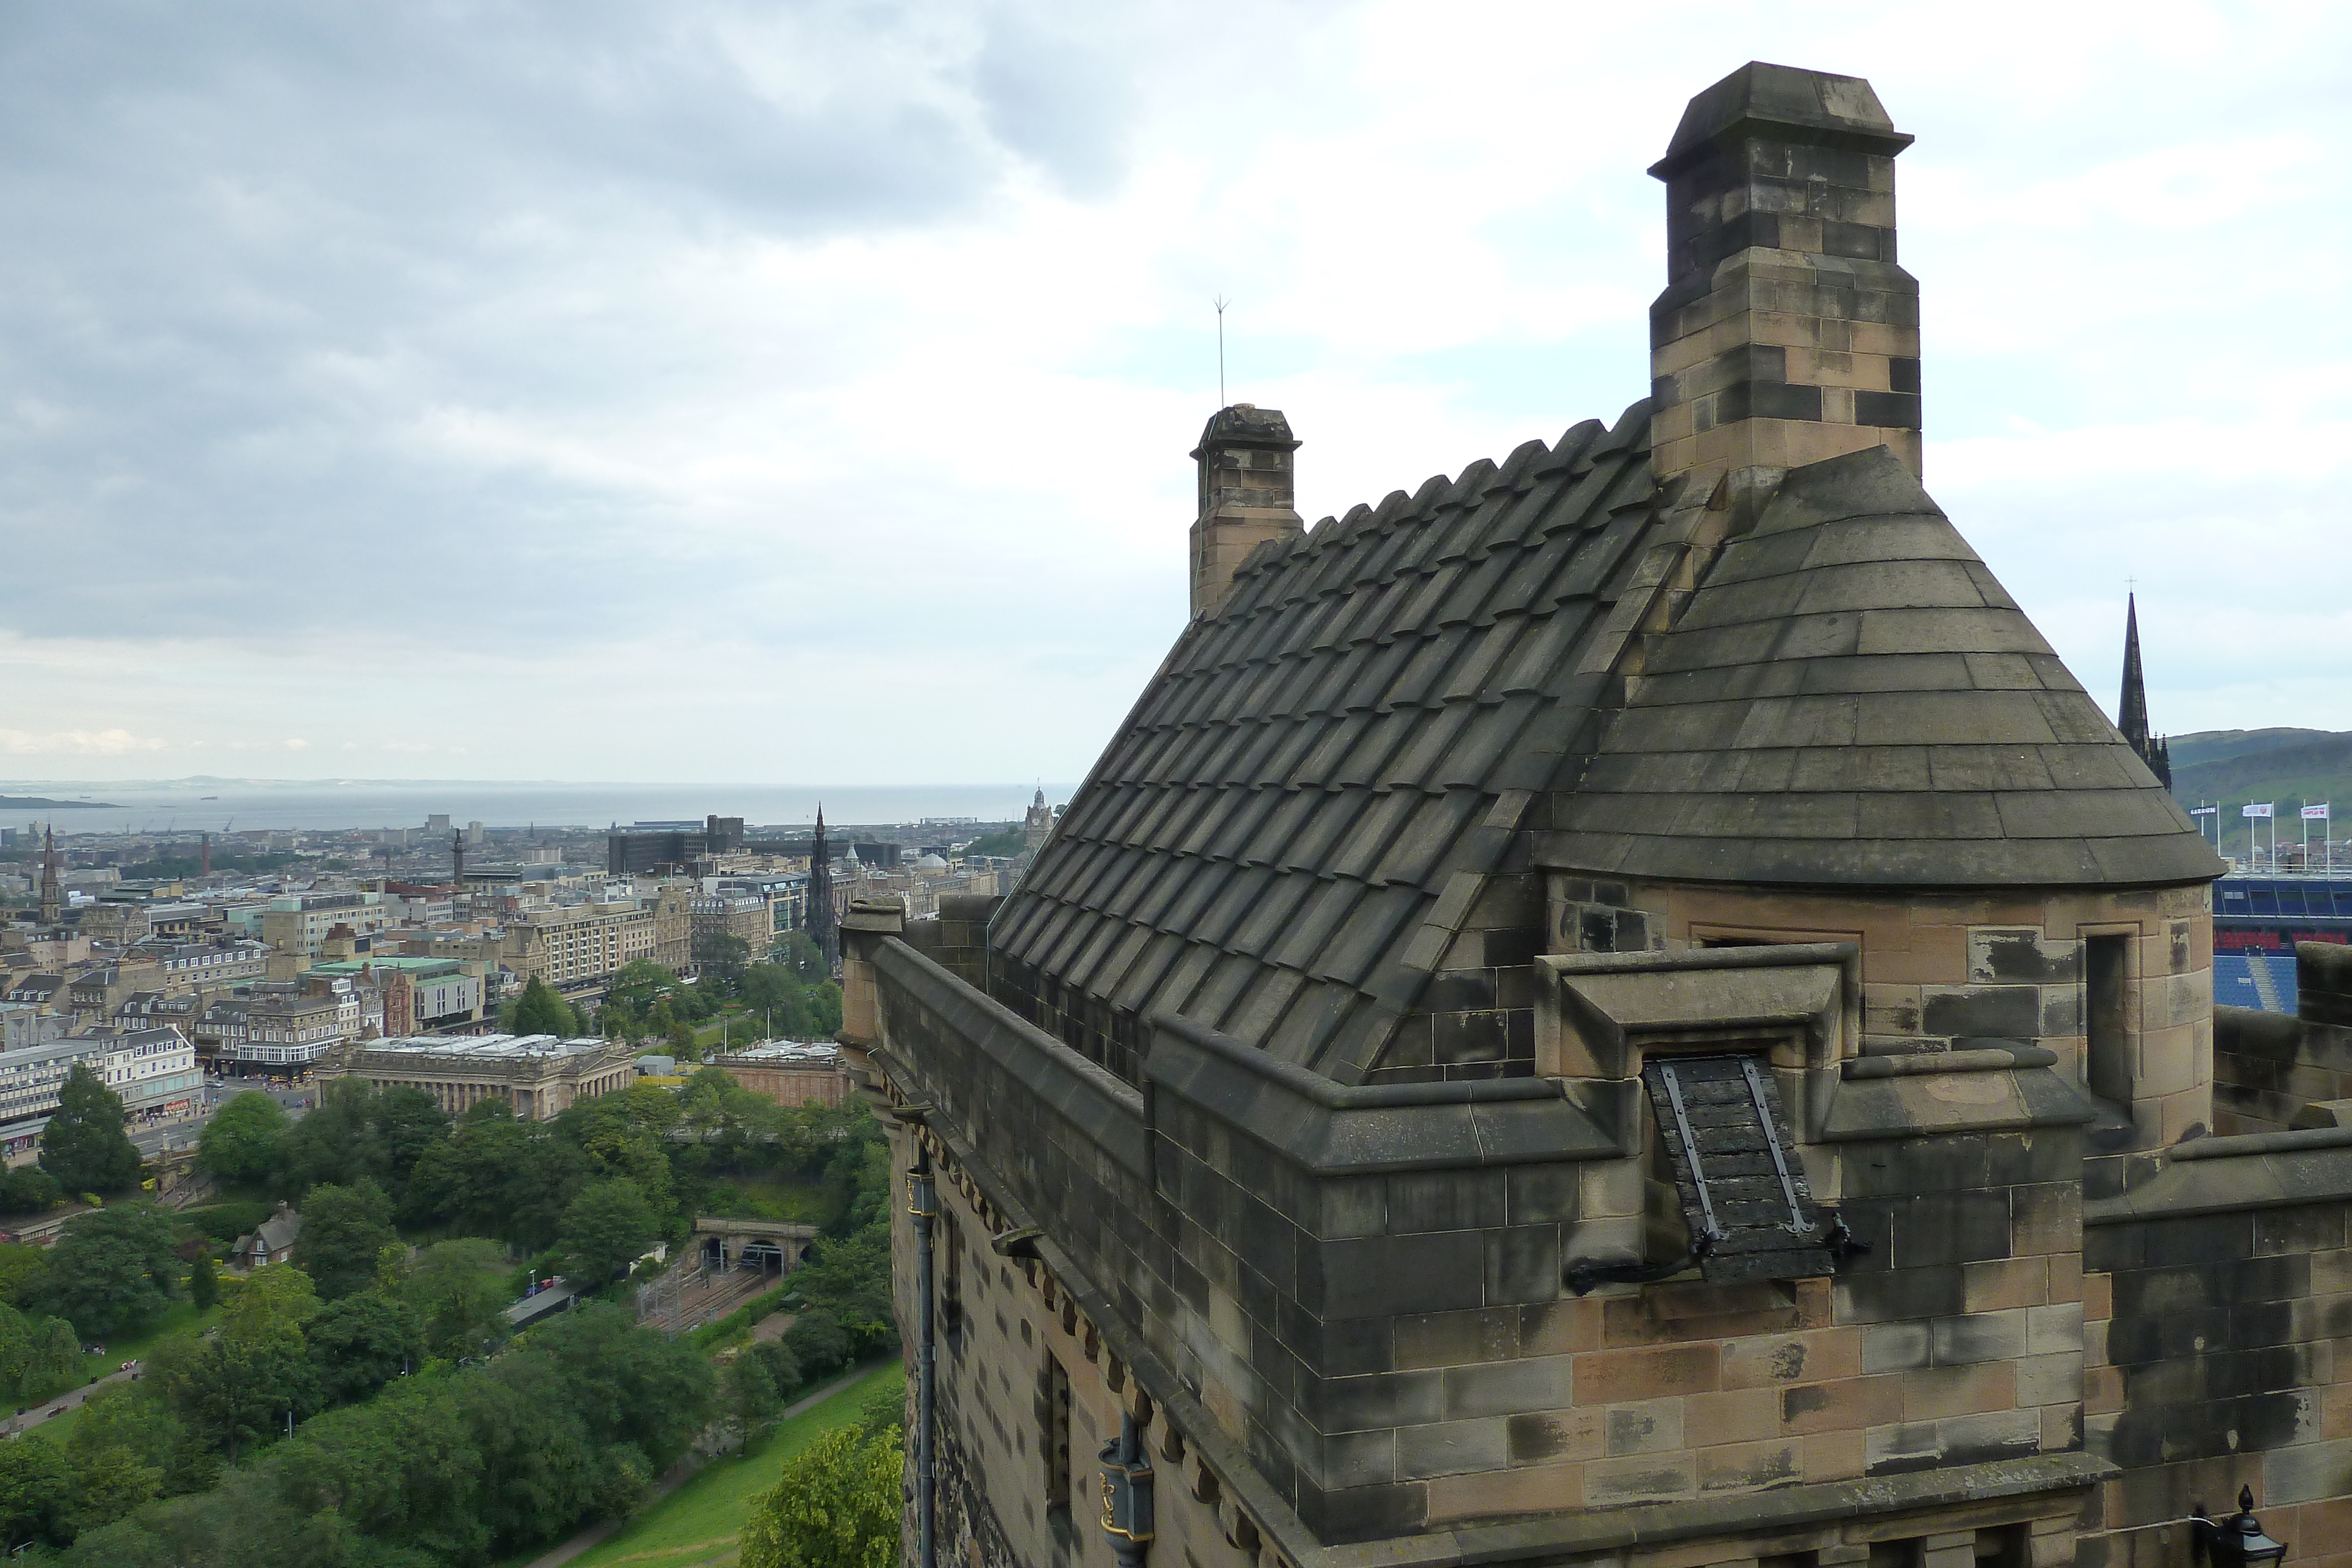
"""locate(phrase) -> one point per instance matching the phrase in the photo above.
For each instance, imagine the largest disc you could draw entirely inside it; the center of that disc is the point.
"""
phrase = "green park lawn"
(181, 1318)
(697, 1525)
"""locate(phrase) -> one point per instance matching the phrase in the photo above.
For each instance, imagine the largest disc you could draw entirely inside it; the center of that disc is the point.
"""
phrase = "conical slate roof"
(1850, 697)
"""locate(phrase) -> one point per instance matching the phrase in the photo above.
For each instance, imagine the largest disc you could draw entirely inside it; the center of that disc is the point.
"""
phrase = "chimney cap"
(1246, 424)
(1785, 103)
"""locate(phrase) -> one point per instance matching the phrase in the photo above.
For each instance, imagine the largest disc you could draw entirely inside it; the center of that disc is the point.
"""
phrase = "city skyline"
(394, 397)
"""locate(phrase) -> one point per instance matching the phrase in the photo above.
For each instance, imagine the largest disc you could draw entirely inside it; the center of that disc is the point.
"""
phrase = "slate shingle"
(1931, 738)
(1849, 697)
(1353, 677)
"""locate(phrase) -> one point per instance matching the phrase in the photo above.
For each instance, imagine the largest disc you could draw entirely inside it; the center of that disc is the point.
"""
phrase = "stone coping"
(2262, 1142)
(1334, 1130)
(1768, 956)
(2003, 1057)
(2224, 1176)
(1987, 1090)
(1542, 1538)
(1106, 1106)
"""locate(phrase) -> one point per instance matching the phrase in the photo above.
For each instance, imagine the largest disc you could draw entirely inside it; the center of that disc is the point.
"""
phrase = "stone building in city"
(788, 1071)
(537, 1074)
(1620, 1008)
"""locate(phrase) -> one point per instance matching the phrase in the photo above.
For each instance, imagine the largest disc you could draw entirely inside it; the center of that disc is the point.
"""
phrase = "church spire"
(824, 927)
(52, 902)
(2131, 709)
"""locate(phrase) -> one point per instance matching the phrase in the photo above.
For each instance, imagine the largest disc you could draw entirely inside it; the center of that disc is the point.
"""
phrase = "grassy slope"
(2288, 767)
(765, 1197)
(696, 1525)
(2219, 744)
(182, 1318)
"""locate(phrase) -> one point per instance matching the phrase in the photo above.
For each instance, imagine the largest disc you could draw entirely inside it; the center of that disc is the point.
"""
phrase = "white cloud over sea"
(774, 392)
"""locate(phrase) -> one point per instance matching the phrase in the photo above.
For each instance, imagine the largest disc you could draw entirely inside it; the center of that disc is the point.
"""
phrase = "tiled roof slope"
(1264, 844)
(1850, 698)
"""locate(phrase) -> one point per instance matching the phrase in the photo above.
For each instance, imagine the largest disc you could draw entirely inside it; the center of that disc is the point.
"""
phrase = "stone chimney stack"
(1787, 333)
(1246, 495)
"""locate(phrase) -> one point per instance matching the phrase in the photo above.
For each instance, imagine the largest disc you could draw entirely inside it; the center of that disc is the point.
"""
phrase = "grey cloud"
(248, 243)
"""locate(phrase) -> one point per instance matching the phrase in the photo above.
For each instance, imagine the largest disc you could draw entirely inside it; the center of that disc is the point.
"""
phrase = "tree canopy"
(84, 1147)
(605, 1228)
(722, 957)
(457, 1290)
(245, 1140)
(111, 1269)
(28, 1189)
(835, 1506)
(344, 1230)
(539, 1010)
(456, 1466)
(360, 1132)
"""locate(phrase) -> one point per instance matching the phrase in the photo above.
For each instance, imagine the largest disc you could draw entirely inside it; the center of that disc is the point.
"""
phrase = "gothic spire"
(2131, 709)
(52, 901)
(824, 927)
(2131, 712)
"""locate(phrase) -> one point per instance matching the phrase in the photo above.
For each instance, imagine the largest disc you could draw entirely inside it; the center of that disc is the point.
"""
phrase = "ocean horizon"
(203, 804)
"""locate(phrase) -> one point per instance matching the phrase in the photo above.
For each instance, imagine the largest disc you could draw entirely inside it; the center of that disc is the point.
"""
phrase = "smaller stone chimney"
(1247, 496)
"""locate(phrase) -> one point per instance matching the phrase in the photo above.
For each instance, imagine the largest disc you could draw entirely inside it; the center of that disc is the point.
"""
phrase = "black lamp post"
(2237, 1542)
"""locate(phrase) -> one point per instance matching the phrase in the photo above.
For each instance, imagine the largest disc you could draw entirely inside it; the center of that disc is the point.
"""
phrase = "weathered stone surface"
(1310, 1089)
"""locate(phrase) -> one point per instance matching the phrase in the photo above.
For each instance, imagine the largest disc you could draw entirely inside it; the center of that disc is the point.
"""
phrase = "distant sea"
(218, 805)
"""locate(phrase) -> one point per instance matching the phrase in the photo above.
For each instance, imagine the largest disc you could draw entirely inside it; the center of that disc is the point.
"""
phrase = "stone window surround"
(1598, 1015)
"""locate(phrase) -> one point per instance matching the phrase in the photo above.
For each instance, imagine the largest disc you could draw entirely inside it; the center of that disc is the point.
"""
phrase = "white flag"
(2262, 811)
(2204, 810)
(2315, 813)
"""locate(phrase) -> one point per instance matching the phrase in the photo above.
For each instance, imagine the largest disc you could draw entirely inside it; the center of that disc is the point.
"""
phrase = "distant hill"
(2289, 766)
(2219, 745)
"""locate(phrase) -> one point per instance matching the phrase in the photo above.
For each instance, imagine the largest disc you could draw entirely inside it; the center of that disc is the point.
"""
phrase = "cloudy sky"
(801, 392)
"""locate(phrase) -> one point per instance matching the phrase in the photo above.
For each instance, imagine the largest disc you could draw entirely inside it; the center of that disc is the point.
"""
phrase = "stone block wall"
(1967, 1309)
(1311, 1289)
(1370, 1318)
(1011, 1343)
(2272, 1072)
(1937, 968)
(957, 937)
(1475, 1016)
(2219, 1355)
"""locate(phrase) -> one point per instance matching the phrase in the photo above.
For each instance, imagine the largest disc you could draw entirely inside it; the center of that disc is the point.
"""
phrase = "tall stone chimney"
(1246, 495)
(1787, 333)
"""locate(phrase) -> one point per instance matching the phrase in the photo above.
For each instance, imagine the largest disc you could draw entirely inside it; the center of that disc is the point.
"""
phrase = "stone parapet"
(1343, 1307)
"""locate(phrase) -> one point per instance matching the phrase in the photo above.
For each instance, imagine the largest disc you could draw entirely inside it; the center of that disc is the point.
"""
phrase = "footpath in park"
(68, 1400)
(685, 1468)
